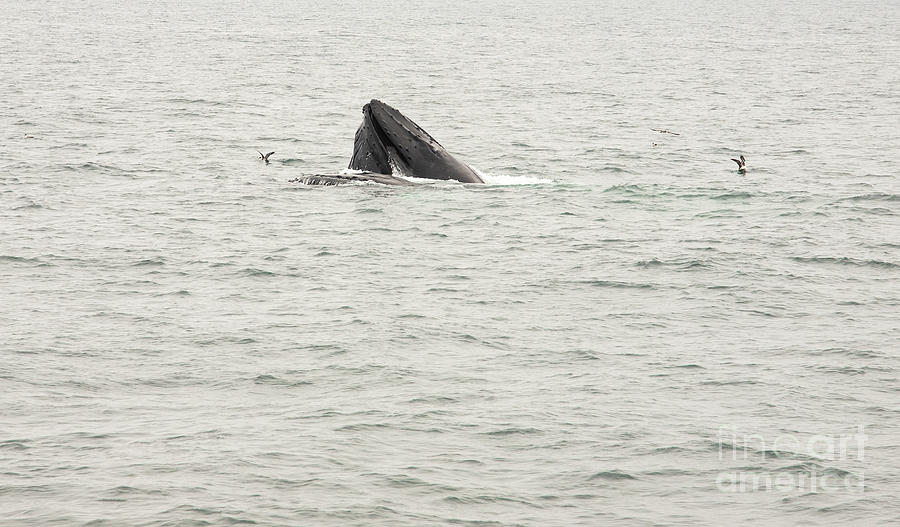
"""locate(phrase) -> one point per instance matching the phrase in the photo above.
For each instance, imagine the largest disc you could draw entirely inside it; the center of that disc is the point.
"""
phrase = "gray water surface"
(612, 331)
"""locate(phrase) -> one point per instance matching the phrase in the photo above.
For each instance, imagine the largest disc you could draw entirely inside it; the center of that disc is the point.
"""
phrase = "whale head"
(387, 141)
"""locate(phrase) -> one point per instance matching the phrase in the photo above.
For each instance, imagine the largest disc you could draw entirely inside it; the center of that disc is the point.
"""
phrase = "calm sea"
(618, 329)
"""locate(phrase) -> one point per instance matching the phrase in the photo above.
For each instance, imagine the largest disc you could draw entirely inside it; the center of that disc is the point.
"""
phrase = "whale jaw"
(388, 142)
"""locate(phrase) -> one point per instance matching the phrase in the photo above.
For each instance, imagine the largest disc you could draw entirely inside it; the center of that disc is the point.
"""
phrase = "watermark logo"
(816, 474)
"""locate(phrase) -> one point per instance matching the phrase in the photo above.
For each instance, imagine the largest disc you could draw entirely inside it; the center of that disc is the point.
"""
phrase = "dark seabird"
(742, 164)
(265, 157)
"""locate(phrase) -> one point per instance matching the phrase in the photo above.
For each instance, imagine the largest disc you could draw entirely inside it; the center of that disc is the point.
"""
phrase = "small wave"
(433, 399)
(877, 196)
(474, 500)
(513, 431)
(615, 169)
(729, 383)
(14, 444)
(718, 213)
(252, 271)
(616, 284)
(626, 189)
(185, 100)
(883, 211)
(224, 340)
(403, 480)
(844, 370)
(149, 262)
(271, 379)
(19, 259)
(29, 205)
(811, 468)
(666, 472)
(91, 166)
(612, 475)
(125, 489)
(180, 292)
(26, 489)
(863, 353)
(679, 263)
(733, 195)
(669, 449)
(846, 261)
(360, 427)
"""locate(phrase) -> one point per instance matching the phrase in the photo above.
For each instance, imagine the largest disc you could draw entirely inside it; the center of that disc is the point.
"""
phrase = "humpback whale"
(387, 139)
(388, 144)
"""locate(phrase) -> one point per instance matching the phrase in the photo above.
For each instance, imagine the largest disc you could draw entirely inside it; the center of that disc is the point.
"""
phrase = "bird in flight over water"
(265, 157)
(741, 163)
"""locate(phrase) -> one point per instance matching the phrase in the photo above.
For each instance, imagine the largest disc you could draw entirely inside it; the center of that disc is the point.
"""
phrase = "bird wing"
(738, 161)
(261, 156)
(267, 155)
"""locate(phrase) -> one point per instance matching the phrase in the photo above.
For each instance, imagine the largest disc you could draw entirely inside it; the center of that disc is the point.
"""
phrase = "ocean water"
(618, 329)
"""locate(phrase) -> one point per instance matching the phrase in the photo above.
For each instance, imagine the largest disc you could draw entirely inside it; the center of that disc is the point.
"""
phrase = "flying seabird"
(265, 157)
(741, 163)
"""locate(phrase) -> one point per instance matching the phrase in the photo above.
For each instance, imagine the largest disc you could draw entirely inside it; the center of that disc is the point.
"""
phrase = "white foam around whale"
(508, 180)
(489, 179)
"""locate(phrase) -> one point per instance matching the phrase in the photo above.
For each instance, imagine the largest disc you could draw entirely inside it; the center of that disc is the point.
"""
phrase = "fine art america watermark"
(816, 472)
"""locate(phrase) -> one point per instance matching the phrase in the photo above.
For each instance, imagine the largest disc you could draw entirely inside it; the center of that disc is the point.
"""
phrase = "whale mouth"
(396, 158)
(388, 142)
(376, 126)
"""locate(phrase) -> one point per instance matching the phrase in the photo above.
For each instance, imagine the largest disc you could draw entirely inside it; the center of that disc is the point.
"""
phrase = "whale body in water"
(387, 145)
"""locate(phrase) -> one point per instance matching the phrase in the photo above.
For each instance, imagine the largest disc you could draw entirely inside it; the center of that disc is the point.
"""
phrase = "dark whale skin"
(388, 141)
